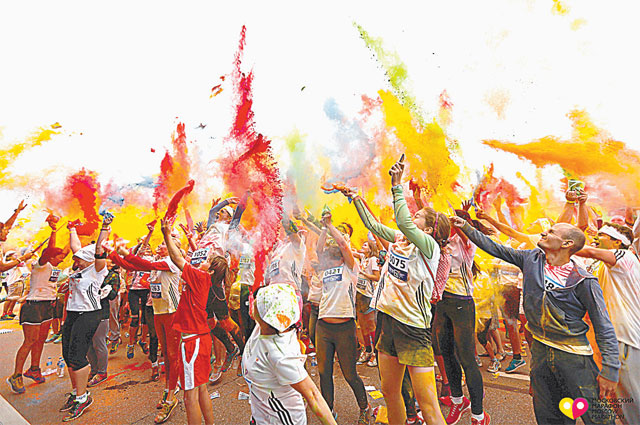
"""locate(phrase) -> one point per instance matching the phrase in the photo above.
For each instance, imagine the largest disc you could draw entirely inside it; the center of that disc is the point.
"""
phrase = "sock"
(478, 417)
(456, 400)
(517, 357)
(74, 393)
(82, 398)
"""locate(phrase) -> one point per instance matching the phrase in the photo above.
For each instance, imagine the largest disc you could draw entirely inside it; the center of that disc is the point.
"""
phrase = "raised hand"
(457, 221)
(396, 171)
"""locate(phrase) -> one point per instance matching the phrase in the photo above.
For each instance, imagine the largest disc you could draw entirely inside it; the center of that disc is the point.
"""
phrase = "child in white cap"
(273, 365)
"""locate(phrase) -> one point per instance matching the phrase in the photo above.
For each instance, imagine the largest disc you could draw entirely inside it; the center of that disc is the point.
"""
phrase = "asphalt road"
(129, 396)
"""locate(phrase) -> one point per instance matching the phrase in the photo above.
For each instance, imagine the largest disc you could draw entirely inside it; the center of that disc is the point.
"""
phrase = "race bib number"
(55, 273)
(156, 290)
(199, 255)
(332, 275)
(398, 266)
(274, 269)
(362, 283)
(245, 262)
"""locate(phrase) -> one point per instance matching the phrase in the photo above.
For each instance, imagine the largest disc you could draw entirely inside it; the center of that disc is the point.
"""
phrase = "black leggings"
(153, 337)
(339, 338)
(77, 336)
(455, 330)
(137, 301)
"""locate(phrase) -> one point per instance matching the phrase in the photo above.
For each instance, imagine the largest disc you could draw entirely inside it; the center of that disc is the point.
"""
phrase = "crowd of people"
(419, 292)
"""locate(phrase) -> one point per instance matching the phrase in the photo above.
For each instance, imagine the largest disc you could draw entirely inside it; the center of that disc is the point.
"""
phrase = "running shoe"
(457, 410)
(58, 340)
(446, 400)
(97, 378)
(494, 367)
(16, 384)
(364, 357)
(365, 416)
(78, 409)
(478, 361)
(373, 361)
(230, 358)
(485, 421)
(215, 376)
(501, 356)
(51, 338)
(5, 317)
(129, 351)
(11, 315)
(155, 373)
(515, 365)
(167, 409)
(144, 346)
(414, 420)
(114, 346)
(163, 400)
(34, 374)
(69, 403)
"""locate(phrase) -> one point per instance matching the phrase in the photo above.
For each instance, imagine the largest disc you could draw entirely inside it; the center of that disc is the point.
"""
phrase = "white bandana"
(615, 234)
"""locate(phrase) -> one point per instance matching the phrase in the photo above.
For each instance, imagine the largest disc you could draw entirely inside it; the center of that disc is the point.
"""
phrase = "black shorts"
(77, 336)
(362, 304)
(36, 312)
(411, 345)
(217, 304)
(137, 301)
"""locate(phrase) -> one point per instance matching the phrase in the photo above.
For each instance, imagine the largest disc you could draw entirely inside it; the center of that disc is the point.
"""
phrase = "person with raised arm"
(619, 277)
(36, 312)
(83, 314)
(402, 300)
(190, 321)
(557, 295)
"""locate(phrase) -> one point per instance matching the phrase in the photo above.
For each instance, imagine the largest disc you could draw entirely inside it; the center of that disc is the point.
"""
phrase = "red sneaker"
(485, 421)
(457, 410)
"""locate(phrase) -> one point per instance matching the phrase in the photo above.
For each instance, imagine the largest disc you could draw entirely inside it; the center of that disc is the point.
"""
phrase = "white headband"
(615, 233)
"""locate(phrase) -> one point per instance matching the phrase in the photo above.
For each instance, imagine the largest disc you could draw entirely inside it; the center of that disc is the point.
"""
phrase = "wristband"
(101, 256)
(105, 228)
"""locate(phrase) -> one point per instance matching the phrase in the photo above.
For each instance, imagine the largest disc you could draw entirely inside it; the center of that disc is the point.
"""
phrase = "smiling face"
(607, 242)
(420, 220)
(554, 239)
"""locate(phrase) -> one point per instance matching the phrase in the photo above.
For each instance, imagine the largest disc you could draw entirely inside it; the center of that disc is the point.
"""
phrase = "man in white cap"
(273, 365)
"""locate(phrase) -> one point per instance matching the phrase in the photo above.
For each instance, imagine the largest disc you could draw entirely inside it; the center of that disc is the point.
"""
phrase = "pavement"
(129, 396)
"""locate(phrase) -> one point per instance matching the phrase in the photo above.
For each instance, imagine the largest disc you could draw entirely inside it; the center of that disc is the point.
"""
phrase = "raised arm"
(9, 223)
(52, 240)
(345, 250)
(74, 240)
(583, 211)
(371, 223)
(504, 228)
(606, 256)
(217, 207)
(174, 252)
(101, 255)
(510, 255)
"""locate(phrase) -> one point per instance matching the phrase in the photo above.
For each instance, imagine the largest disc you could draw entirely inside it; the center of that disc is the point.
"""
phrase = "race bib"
(274, 269)
(55, 273)
(156, 290)
(362, 283)
(332, 275)
(245, 262)
(398, 266)
(199, 255)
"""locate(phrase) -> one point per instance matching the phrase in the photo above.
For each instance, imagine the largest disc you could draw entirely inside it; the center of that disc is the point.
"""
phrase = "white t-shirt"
(406, 285)
(315, 289)
(366, 286)
(339, 292)
(214, 239)
(621, 288)
(84, 289)
(460, 280)
(270, 365)
(44, 282)
(286, 264)
(165, 288)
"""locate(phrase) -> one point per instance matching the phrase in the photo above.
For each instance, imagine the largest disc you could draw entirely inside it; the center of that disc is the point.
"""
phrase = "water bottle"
(49, 363)
(61, 368)
(49, 370)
